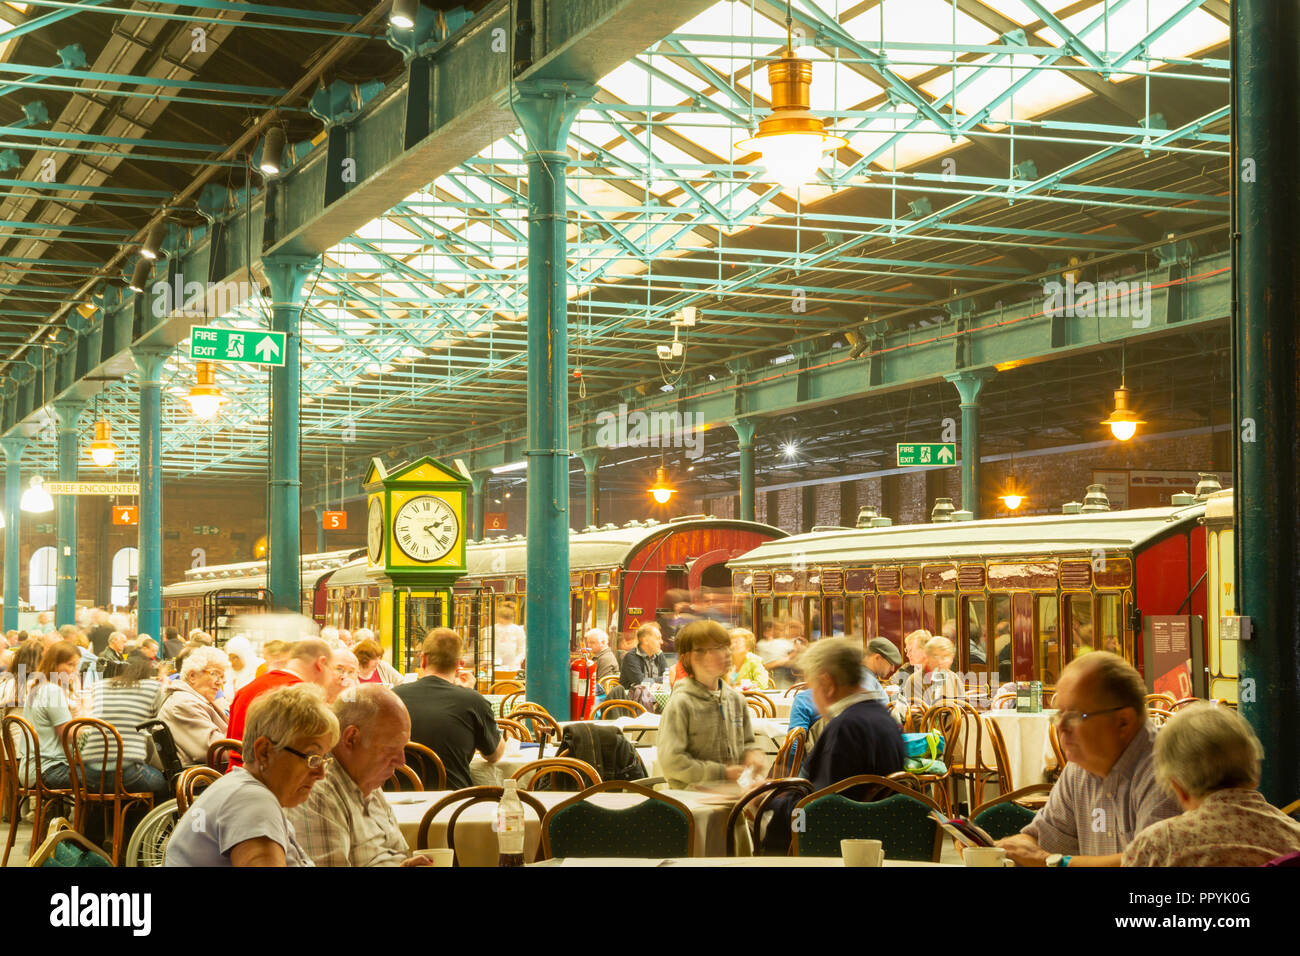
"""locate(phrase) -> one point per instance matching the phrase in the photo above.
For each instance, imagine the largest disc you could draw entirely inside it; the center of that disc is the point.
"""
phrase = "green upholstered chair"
(1007, 815)
(658, 827)
(901, 820)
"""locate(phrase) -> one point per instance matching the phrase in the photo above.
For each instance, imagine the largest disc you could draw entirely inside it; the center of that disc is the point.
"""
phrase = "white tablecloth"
(482, 773)
(1029, 748)
(476, 841)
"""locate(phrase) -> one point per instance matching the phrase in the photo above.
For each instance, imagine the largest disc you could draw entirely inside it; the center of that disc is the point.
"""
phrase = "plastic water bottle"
(510, 827)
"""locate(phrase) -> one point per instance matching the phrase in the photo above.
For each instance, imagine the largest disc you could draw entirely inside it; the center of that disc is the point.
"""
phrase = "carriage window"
(1000, 651)
(973, 624)
(1108, 624)
(836, 607)
(946, 617)
(869, 629)
(1047, 639)
(602, 608)
(889, 611)
(814, 618)
(853, 619)
(1079, 621)
(912, 616)
(744, 610)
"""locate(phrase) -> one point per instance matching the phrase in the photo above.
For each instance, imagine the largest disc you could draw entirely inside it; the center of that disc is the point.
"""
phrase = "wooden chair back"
(605, 709)
(1029, 798)
(463, 800)
(192, 782)
(21, 750)
(541, 724)
(759, 703)
(764, 792)
(506, 687)
(795, 688)
(791, 755)
(513, 729)
(87, 742)
(915, 718)
(881, 788)
(1000, 755)
(1163, 701)
(1158, 716)
(1184, 702)
(219, 753)
(579, 771)
(1054, 737)
(607, 682)
(511, 700)
(403, 780)
(618, 786)
(428, 766)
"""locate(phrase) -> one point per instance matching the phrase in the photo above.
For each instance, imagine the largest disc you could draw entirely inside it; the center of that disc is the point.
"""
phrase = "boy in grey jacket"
(705, 734)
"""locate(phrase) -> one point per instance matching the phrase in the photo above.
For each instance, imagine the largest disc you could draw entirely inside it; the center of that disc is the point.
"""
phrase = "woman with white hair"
(1208, 757)
(288, 737)
(244, 663)
(190, 708)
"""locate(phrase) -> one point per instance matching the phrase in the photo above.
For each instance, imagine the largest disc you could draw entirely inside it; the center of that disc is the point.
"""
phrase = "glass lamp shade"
(36, 499)
(1123, 421)
(1013, 501)
(103, 452)
(792, 159)
(1123, 430)
(791, 139)
(205, 395)
(661, 491)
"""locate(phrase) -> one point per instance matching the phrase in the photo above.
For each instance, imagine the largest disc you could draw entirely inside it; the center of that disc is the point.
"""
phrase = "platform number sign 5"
(335, 521)
(126, 514)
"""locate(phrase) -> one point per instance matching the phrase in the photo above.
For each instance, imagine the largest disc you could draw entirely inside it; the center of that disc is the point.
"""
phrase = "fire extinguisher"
(582, 689)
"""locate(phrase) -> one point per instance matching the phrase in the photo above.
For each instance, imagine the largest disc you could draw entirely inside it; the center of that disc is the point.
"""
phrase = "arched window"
(41, 578)
(125, 566)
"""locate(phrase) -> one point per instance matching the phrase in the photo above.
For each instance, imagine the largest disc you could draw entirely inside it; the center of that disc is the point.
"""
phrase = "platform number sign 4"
(426, 528)
(126, 514)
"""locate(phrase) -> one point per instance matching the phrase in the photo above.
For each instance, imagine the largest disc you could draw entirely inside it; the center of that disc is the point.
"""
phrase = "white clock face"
(426, 528)
(375, 531)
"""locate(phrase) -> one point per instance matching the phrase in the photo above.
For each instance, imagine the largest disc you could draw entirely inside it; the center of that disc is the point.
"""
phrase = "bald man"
(346, 821)
(1107, 794)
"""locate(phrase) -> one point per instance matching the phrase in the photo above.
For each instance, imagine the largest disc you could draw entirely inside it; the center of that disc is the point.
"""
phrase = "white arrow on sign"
(945, 454)
(266, 349)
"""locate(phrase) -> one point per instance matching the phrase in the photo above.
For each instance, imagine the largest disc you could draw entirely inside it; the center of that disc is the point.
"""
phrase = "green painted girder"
(73, 6)
(144, 82)
(58, 135)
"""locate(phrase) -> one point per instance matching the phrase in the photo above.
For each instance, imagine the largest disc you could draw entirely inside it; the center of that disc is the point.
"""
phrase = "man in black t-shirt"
(450, 720)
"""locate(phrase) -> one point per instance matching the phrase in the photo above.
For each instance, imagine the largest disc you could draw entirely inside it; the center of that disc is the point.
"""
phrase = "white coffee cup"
(984, 856)
(862, 852)
(440, 856)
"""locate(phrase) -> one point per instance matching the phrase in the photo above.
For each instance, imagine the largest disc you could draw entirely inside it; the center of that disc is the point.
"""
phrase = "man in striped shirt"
(1107, 794)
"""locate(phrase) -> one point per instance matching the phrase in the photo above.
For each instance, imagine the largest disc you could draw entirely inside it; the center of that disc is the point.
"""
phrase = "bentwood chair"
(1158, 716)
(541, 724)
(901, 820)
(88, 741)
(765, 791)
(428, 766)
(192, 782)
(220, 751)
(462, 800)
(607, 682)
(1185, 702)
(580, 772)
(795, 688)
(1001, 773)
(21, 750)
(1163, 701)
(605, 709)
(403, 780)
(513, 729)
(505, 687)
(657, 827)
(791, 755)
(759, 703)
(1008, 814)
(1054, 737)
(510, 700)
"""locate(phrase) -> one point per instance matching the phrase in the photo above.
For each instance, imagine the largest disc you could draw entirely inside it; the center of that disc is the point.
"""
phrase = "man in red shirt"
(309, 662)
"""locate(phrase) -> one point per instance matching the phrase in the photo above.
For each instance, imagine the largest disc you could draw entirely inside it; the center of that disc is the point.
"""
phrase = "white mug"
(862, 852)
(439, 856)
(985, 856)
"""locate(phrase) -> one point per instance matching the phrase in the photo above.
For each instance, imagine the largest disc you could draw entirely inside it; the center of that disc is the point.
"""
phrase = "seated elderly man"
(344, 663)
(1108, 792)
(598, 644)
(113, 659)
(859, 736)
(879, 661)
(190, 709)
(647, 662)
(346, 821)
(1209, 758)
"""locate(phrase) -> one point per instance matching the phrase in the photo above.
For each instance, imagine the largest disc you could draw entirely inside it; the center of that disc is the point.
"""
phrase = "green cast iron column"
(1266, 206)
(65, 592)
(288, 276)
(13, 449)
(969, 385)
(745, 433)
(321, 544)
(546, 109)
(149, 583)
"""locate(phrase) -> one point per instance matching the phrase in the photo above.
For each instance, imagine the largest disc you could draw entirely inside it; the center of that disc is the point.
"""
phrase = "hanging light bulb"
(791, 139)
(1123, 421)
(661, 490)
(403, 14)
(102, 450)
(272, 151)
(205, 395)
(1013, 500)
(36, 499)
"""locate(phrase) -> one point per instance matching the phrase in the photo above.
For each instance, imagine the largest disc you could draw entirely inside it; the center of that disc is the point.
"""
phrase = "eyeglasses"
(715, 649)
(314, 761)
(1072, 718)
(216, 673)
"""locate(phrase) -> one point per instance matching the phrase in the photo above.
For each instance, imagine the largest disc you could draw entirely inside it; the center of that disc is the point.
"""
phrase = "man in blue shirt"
(879, 662)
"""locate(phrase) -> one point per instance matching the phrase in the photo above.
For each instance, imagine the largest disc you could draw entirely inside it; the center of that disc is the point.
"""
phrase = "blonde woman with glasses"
(240, 819)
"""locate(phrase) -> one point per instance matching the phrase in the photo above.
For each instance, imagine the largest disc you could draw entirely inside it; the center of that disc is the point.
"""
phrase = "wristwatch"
(1057, 859)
